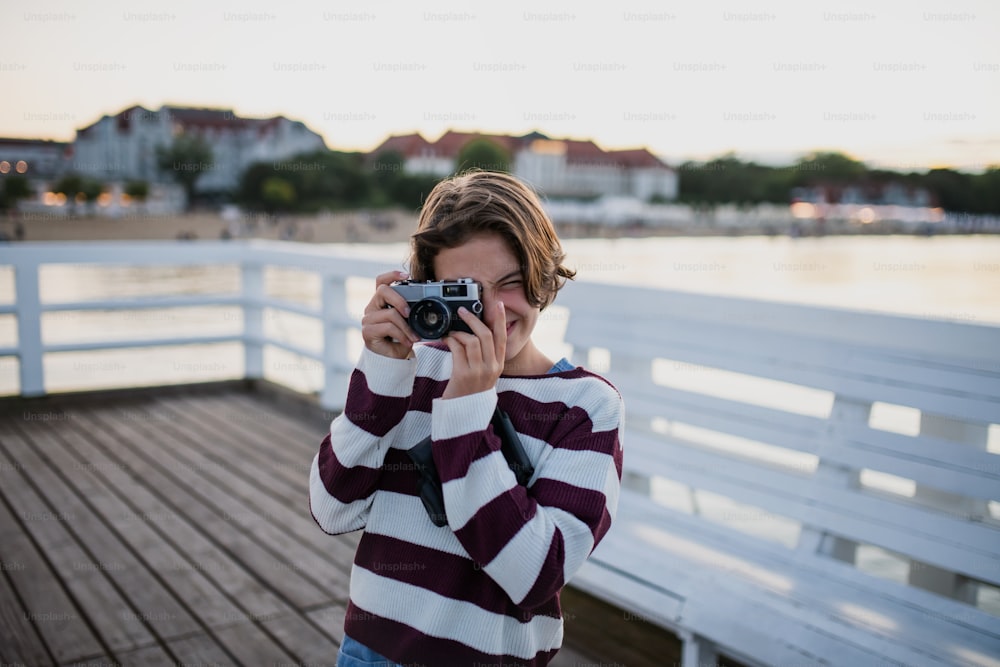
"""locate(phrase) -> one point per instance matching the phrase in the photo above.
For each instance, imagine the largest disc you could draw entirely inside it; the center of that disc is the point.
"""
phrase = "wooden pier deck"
(170, 526)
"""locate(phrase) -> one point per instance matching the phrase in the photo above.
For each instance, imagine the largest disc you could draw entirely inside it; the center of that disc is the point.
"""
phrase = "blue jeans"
(355, 654)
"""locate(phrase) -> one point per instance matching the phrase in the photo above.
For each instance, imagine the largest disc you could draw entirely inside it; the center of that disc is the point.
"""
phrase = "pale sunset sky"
(907, 85)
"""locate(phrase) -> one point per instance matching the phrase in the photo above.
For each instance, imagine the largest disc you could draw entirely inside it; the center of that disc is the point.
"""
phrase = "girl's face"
(487, 259)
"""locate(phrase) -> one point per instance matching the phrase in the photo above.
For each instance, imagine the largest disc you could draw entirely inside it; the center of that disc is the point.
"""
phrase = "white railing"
(252, 258)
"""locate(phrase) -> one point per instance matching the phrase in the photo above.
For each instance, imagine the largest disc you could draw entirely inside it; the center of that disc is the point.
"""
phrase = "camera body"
(434, 305)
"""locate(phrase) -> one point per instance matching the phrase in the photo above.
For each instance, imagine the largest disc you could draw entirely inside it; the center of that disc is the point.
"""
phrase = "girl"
(484, 589)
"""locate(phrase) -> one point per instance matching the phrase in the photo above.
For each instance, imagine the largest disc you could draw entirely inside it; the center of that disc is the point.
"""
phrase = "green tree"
(952, 189)
(411, 190)
(828, 167)
(277, 194)
(138, 190)
(482, 154)
(78, 189)
(329, 180)
(185, 160)
(986, 191)
(388, 167)
(15, 188)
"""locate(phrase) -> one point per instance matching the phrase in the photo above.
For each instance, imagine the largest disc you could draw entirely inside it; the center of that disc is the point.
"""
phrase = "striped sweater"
(483, 590)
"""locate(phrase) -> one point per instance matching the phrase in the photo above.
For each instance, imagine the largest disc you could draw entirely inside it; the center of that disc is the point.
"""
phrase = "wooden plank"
(779, 428)
(287, 470)
(143, 533)
(148, 596)
(936, 462)
(246, 535)
(299, 441)
(820, 365)
(65, 634)
(250, 646)
(97, 661)
(308, 645)
(201, 649)
(153, 656)
(93, 592)
(766, 572)
(331, 619)
(20, 642)
(235, 484)
(198, 553)
(962, 545)
(599, 303)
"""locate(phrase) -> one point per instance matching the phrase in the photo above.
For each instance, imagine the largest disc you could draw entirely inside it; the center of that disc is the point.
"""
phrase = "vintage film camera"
(434, 305)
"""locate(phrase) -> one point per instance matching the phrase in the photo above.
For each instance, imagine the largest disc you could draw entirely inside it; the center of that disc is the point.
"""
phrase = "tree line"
(727, 179)
(336, 180)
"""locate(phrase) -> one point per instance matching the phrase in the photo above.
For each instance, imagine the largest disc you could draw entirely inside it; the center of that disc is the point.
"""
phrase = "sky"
(906, 85)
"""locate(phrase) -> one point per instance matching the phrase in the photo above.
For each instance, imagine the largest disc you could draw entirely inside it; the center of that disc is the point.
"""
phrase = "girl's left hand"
(477, 358)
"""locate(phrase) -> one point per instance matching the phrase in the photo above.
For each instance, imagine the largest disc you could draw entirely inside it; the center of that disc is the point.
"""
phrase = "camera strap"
(429, 482)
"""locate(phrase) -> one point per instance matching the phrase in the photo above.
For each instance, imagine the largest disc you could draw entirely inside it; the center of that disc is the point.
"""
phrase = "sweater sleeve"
(345, 473)
(530, 541)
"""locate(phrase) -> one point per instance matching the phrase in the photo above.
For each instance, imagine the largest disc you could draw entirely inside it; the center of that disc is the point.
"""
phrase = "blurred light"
(125, 200)
(866, 215)
(937, 215)
(80, 198)
(4, 167)
(803, 209)
(104, 199)
(60, 198)
(50, 199)
(21, 167)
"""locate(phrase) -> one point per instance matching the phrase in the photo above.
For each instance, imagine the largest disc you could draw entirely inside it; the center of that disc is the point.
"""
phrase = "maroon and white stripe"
(485, 588)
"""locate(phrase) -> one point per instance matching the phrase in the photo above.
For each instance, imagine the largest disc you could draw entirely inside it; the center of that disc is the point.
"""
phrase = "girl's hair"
(483, 202)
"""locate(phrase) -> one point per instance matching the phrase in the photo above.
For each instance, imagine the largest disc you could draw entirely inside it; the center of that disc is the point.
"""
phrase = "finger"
(390, 277)
(500, 333)
(459, 357)
(472, 347)
(478, 327)
(391, 297)
(384, 296)
(388, 316)
(388, 331)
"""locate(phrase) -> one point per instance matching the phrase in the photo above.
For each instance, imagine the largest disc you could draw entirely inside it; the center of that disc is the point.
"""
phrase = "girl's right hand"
(384, 326)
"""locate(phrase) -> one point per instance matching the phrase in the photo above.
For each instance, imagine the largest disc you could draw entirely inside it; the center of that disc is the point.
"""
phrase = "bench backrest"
(824, 429)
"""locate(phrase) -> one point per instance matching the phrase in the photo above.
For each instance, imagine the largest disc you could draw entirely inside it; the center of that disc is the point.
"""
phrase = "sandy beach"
(350, 227)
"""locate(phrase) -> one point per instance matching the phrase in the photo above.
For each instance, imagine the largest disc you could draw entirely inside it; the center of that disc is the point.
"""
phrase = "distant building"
(884, 193)
(555, 167)
(123, 147)
(34, 158)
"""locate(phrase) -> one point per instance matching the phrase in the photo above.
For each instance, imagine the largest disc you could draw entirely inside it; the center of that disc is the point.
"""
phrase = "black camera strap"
(429, 483)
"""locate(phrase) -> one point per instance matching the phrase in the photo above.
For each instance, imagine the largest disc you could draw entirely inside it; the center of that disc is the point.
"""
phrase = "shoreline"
(382, 226)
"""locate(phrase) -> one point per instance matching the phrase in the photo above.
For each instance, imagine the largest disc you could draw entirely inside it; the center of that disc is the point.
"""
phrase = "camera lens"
(430, 318)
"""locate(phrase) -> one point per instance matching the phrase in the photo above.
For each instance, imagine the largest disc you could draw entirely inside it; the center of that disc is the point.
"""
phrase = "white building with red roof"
(555, 167)
(123, 146)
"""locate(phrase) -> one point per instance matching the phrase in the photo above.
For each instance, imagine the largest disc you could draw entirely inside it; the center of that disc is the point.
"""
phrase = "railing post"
(845, 411)
(29, 331)
(964, 434)
(253, 320)
(335, 360)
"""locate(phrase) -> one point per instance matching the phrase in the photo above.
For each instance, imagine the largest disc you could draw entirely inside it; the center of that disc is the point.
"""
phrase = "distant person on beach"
(483, 588)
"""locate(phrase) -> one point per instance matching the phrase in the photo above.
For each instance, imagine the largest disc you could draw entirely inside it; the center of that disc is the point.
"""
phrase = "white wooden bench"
(757, 513)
